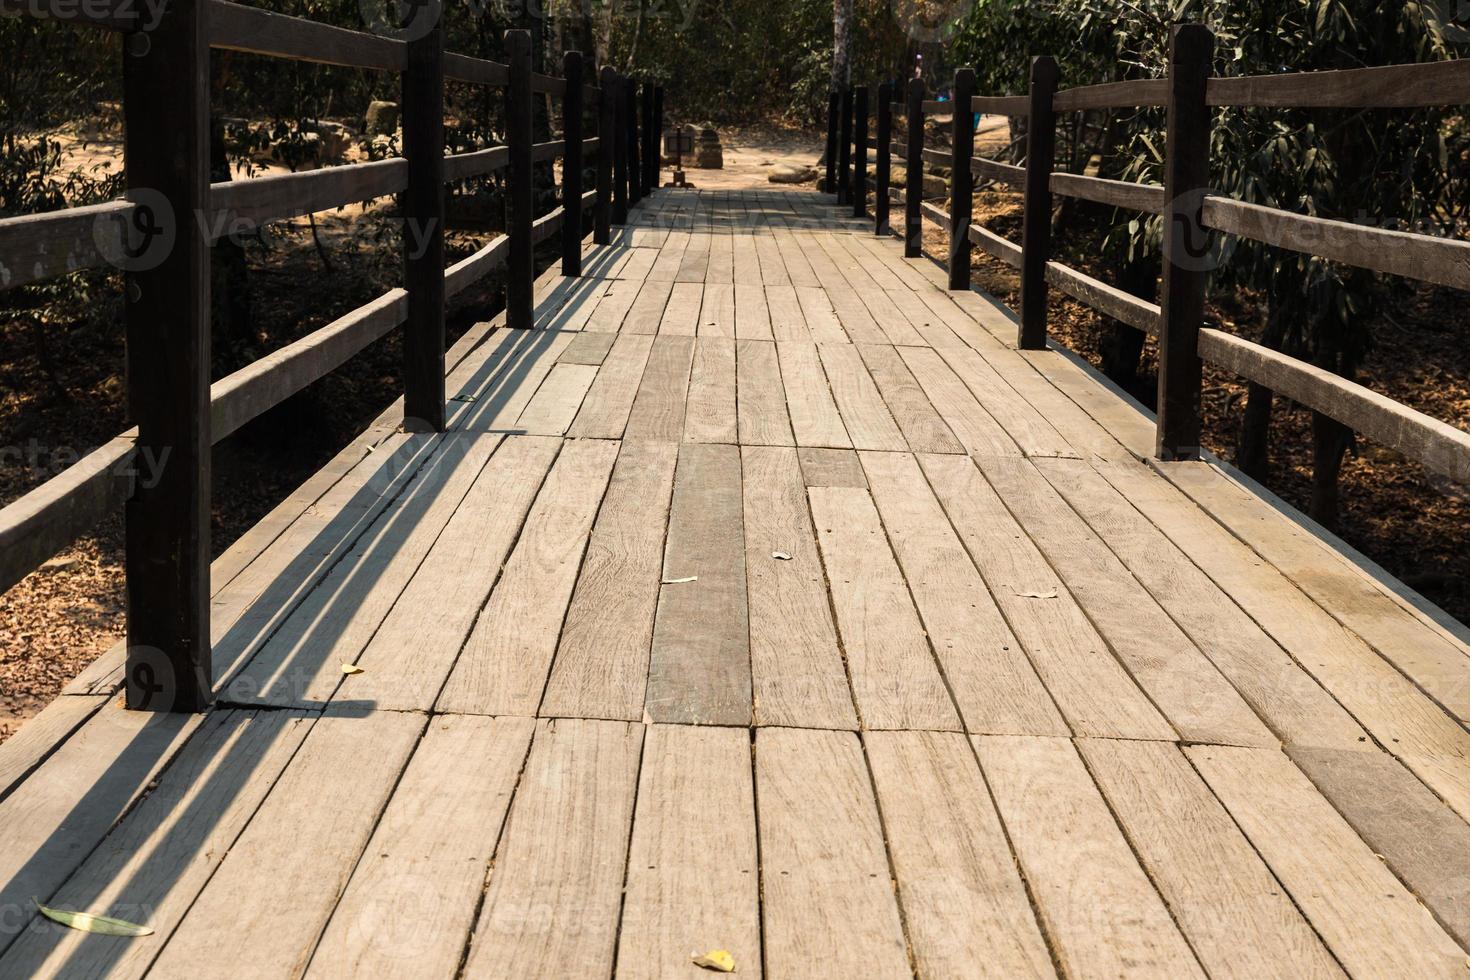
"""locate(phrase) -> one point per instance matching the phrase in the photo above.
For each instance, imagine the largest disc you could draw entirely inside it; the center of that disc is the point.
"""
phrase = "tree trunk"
(1123, 348)
(1330, 442)
(1253, 449)
(841, 44)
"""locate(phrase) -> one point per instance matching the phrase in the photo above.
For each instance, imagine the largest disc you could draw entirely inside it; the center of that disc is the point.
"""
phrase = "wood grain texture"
(1185, 686)
(987, 671)
(761, 399)
(1095, 694)
(831, 468)
(700, 666)
(1366, 917)
(797, 669)
(507, 658)
(709, 415)
(1095, 902)
(658, 409)
(868, 422)
(964, 904)
(409, 905)
(558, 875)
(894, 678)
(1216, 885)
(609, 402)
(923, 429)
(815, 420)
(828, 901)
(693, 872)
(601, 666)
(295, 848)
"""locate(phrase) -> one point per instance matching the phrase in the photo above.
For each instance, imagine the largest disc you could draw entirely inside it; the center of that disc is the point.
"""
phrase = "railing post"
(658, 135)
(913, 185)
(833, 101)
(635, 172)
(650, 149)
(961, 180)
(520, 191)
(606, 121)
(1041, 151)
(618, 93)
(423, 238)
(844, 149)
(885, 158)
(166, 101)
(860, 154)
(571, 166)
(1186, 242)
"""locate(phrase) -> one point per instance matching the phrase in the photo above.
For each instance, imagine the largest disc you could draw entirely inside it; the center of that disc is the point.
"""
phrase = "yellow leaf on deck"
(351, 669)
(718, 960)
(87, 922)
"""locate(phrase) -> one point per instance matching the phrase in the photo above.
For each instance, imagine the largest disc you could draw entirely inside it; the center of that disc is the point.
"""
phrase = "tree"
(841, 44)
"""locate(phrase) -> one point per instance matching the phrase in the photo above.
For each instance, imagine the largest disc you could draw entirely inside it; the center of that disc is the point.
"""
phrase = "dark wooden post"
(860, 153)
(423, 238)
(832, 110)
(635, 169)
(844, 149)
(520, 191)
(913, 186)
(1041, 152)
(571, 166)
(606, 144)
(961, 180)
(1186, 242)
(618, 93)
(658, 134)
(885, 158)
(650, 142)
(166, 101)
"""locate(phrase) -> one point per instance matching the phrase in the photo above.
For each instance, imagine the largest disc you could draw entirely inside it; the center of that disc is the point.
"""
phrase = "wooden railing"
(1192, 214)
(160, 235)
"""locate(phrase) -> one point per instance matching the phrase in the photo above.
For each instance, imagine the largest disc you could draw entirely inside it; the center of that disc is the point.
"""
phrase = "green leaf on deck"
(87, 922)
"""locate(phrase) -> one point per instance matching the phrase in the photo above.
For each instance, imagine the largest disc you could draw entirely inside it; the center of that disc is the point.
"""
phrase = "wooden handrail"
(1441, 83)
(1113, 95)
(1119, 193)
(479, 71)
(1000, 105)
(234, 27)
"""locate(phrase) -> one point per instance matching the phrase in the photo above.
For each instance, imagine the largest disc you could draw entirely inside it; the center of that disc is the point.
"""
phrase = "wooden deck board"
(764, 597)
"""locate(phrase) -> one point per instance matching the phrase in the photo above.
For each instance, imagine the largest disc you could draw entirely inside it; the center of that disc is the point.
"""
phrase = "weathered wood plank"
(294, 846)
(987, 671)
(821, 319)
(1095, 694)
(557, 400)
(894, 677)
(681, 316)
(433, 845)
(752, 312)
(1366, 917)
(693, 872)
(1184, 685)
(717, 311)
(828, 903)
(965, 907)
(761, 399)
(710, 413)
(796, 664)
(1214, 882)
(700, 666)
(412, 652)
(866, 417)
(647, 310)
(1286, 697)
(658, 409)
(815, 420)
(601, 666)
(788, 322)
(605, 410)
(923, 429)
(831, 468)
(507, 658)
(976, 429)
(557, 882)
(1097, 905)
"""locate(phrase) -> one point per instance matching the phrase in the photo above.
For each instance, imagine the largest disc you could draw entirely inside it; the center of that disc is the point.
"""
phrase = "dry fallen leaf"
(1049, 594)
(718, 960)
(351, 669)
(681, 581)
(100, 924)
(780, 556)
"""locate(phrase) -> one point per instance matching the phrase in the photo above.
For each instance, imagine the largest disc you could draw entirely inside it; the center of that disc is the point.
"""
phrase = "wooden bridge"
(751, 589)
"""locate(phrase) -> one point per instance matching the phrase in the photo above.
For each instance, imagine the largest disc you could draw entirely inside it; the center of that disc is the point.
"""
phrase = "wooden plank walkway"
(766, 598)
